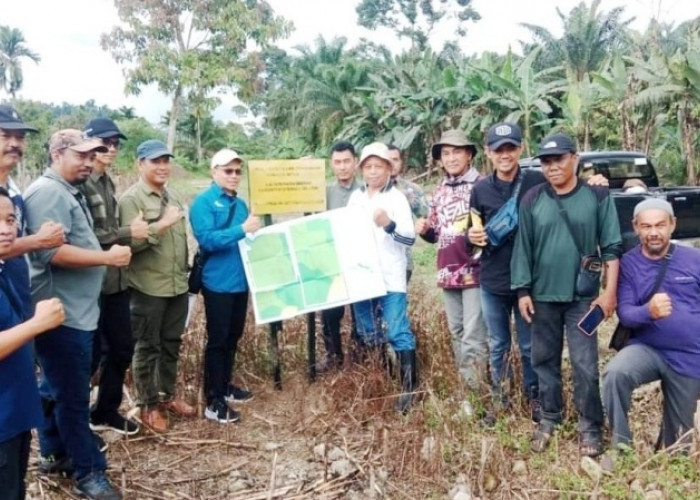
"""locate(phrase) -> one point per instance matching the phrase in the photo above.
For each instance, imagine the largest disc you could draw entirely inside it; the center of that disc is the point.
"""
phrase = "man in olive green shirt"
(113, 345)
(158, 283)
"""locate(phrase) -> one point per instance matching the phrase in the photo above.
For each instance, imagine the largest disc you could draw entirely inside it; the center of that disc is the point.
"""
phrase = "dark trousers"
(65, 356)
(112, 351)
(158, 324)
(639, 364)
(14, 457)
(332, 339)
(226, 314)
(551, 320)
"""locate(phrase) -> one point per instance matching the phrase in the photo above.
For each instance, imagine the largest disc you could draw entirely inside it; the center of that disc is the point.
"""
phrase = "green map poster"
(313, 263)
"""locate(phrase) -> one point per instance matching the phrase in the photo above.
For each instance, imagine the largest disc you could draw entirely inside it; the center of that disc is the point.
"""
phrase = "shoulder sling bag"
(622, 334)
(504, 223)
(590, 267)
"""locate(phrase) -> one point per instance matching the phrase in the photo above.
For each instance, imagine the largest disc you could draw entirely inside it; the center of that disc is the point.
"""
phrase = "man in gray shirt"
(72, 272)
(344, 164)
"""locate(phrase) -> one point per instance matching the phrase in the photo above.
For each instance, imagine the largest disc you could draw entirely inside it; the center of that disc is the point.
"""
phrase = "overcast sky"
(74, 69)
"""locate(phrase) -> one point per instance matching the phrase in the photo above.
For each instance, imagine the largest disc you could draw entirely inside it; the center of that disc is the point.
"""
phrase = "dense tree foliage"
(607, 85)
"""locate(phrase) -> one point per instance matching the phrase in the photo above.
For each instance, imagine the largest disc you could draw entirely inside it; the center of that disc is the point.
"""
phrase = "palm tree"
(12, 51)
(589, 38)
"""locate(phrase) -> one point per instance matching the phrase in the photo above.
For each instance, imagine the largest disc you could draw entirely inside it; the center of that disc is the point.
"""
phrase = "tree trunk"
(174, 110)
(199, 140)
(687, 142)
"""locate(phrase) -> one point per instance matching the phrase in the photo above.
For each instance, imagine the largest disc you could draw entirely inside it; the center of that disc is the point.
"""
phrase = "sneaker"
(220, 412)
(96, 486)
(52, 464)
(101, 443)
(238, 395)
(114, 422)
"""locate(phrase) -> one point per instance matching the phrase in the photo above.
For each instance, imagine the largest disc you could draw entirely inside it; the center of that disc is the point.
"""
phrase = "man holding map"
(343, 163)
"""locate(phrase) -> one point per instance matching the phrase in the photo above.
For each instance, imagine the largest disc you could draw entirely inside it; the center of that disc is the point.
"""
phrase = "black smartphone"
(591, 321)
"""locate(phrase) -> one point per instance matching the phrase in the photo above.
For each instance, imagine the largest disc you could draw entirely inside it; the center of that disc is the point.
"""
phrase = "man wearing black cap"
(113, 336)
(567, 232)
(665, 321)
(13, 133)
(490, 194)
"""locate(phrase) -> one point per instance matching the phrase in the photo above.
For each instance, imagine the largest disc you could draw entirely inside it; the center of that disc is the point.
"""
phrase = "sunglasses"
(231, 171)
(111, 143)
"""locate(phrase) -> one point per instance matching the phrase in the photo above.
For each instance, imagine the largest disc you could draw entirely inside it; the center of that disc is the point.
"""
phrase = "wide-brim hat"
(454, 138)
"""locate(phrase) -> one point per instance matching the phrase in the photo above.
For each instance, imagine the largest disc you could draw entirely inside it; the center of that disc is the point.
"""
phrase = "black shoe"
(489, 420)
(96, 486)
(536, 410)
(52, 464)
(409, 380)
(114, 422)
(220, 412)
(238, 395)
(101, 443)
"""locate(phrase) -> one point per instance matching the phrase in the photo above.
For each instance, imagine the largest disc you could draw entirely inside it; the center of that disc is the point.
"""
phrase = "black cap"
(10, 120)
(556, 144)
(103, 128)
(504, 133)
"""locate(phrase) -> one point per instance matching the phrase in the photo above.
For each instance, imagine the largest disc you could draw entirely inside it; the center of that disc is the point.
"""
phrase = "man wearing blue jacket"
(219, 220)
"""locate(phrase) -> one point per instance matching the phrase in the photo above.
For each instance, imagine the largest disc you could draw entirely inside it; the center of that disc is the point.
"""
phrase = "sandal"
(590, 444)
(541, 437)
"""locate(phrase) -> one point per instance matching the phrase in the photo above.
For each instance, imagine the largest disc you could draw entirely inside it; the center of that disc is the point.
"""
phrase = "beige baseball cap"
(74, 139)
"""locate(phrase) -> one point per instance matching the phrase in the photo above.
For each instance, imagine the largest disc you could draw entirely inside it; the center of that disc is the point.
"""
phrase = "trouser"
(113, 350)
(14, 458)
(385, 319)
(158, 324)
(639, 364)
(550, 321)
(65, 354)
(468, 332)
(226, 314)
(497, 311)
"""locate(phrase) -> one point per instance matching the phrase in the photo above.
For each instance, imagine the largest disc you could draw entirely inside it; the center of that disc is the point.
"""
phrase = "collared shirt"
(51, 198)
(100, 192)
(159, 263)
(223, 270)
(337, 195)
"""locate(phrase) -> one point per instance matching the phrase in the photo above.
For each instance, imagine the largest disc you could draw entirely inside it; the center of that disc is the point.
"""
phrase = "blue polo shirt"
(20, 409)
(223, 271)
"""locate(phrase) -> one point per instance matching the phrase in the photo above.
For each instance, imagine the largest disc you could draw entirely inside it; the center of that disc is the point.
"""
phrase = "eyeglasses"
(231, 171)
(114, 143)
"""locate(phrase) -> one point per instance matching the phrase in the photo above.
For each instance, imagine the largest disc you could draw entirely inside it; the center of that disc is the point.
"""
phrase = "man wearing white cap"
(219, 220)
(665, 322)
(393, 229)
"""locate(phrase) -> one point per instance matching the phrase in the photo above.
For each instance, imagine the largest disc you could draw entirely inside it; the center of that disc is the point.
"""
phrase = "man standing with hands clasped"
(564, 224)
(658, 299)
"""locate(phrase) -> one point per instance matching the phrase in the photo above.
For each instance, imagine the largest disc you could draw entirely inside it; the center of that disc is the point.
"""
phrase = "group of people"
(103, 285)
(540, 250)
(65, 246)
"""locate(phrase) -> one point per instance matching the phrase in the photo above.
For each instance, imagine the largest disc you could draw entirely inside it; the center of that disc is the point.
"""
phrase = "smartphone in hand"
(591, 321)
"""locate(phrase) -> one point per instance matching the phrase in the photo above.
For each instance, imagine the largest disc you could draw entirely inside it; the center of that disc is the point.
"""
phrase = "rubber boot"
(409, 380)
